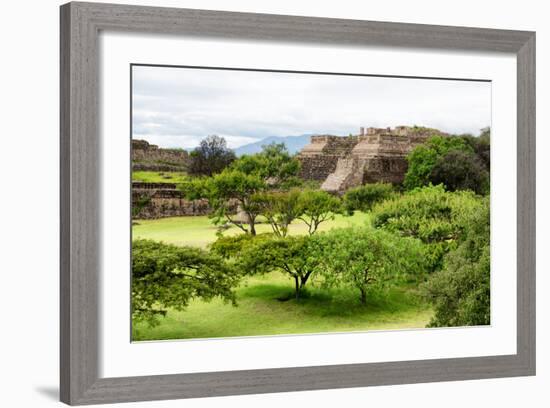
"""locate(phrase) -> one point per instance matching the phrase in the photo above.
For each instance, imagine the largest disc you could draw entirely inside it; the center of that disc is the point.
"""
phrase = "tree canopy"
(211, 156)
(166, 276)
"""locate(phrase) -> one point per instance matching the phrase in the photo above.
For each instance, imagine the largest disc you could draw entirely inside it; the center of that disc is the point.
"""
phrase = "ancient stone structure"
(146, 156)
(374, 155)
(159, 200)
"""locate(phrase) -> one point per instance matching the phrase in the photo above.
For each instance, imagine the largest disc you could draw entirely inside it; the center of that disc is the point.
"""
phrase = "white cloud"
(177, 107)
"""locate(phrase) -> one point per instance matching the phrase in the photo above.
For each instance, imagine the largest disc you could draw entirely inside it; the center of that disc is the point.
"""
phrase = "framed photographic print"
(261, 203)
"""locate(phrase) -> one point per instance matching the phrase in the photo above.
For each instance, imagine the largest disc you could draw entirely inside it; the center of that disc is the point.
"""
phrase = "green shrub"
(364, 197)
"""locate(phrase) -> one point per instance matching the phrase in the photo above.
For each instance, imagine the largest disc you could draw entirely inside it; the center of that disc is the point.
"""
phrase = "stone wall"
(146, 156)
(159, 200)
(374, 155)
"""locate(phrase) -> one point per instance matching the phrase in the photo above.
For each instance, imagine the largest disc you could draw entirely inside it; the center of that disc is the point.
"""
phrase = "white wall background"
(29, 100)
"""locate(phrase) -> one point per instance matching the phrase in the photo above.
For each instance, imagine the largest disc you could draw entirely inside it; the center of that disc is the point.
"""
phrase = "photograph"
(290, 203)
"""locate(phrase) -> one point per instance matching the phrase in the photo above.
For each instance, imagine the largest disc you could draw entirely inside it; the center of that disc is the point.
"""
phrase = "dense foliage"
(424, 157)
(363, 198)
(210, 157)
(274, 164)
(366, 258)
(461, 291)
(460, 170)
(431, 214)
(458, 162)
(166, 276)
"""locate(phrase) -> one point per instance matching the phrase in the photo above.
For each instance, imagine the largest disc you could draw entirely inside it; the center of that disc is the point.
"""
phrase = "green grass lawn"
(159, 177)
(265, 303)
(266, 307)
(199, 231)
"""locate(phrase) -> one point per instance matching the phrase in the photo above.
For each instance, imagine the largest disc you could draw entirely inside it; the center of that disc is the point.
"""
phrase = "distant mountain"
(293, 143)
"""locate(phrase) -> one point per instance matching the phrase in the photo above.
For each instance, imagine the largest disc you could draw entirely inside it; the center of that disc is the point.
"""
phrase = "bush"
(431, 214)
(461, 291)
(166, 276)
(364, 197)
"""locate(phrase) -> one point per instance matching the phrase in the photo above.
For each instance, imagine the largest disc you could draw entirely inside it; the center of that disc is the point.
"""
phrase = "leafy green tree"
(461, 291)
(211, 156)
(362, 198)
(431, 214)
(316, 207)
(423, 158)
(229, 193)
(367, 258)
(274, 164)
(166, 276)
(280, 208)
(298, 256)
(460, 170)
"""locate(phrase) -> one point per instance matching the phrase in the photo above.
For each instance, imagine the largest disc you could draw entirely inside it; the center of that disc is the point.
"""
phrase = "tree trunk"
(363, 296)
(297, 285)
(252, 227)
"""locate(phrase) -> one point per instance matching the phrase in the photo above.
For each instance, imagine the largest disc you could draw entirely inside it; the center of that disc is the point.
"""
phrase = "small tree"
(233, 185)
(211, 156)
(366, 258)
(363, 198)
(300, 257)
(166, 276)
(316, 207)
(280, 209)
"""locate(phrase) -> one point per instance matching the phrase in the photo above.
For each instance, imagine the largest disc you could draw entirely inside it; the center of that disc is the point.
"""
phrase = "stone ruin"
(158, 200)
(147, 156)
(374, 155)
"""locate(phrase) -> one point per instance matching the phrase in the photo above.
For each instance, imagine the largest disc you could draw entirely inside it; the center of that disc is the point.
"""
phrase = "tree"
(423, 158)
(461, 292)
(280, 208)
(166, 276)
(435, 216)
(316, 207)
(211, 156)
(226, 189)
(363, 198)
(298, 256)
(274, 164)
(460, 170)
(366, 258)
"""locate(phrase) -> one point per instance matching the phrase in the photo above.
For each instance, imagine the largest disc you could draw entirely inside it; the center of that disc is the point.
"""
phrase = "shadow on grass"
(332, 303)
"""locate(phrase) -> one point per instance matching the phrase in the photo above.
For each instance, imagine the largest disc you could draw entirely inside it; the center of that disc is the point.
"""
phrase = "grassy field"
(265, 303)
(158, 177)
(266, 307)
(199, 231)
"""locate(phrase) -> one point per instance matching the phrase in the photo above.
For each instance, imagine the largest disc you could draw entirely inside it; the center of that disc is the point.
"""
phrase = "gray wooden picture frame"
(80, 192)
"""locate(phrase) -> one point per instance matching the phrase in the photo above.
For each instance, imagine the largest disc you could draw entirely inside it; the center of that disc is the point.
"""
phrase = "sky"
(178, 107)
